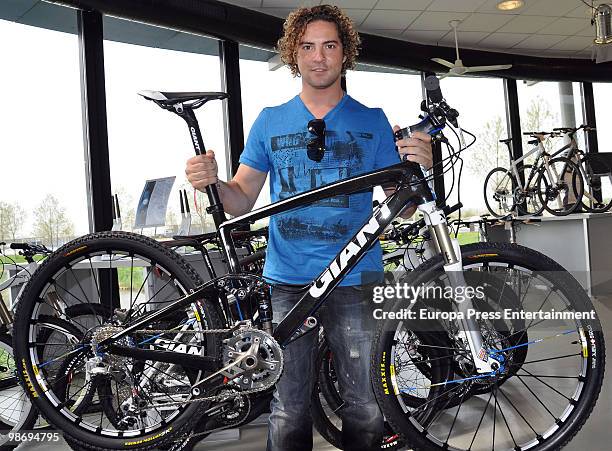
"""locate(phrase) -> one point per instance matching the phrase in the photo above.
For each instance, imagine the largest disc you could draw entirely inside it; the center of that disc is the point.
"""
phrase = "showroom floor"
(595, 435)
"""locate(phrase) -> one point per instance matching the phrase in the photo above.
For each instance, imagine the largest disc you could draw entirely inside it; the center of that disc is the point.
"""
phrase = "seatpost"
(215, 206)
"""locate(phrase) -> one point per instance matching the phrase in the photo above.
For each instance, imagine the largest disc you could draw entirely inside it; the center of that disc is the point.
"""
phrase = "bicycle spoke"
(149, 271)
(450, 431)
(536, 397)
(95, 279)
(517, 410)
(537, 376)
(504, 416)
(547, 359)
(480, 421)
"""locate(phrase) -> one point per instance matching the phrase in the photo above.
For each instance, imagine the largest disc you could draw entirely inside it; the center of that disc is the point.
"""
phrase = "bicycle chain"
(169, 331)
(216, 398)
(192, 434)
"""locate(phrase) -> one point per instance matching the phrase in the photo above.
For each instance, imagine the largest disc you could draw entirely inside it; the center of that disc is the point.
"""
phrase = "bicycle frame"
(539, 150)
(412, 189)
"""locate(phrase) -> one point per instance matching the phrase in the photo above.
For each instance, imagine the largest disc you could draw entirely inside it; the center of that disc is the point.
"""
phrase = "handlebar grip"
(19, 246)
(425, 126)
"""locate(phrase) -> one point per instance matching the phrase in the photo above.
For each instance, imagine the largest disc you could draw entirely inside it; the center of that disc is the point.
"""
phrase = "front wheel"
(538, 399)
(597, 176)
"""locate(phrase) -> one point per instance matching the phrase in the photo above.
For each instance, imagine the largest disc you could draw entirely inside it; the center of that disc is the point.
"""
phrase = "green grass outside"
(17, 258)
(136, 281)
(463, 237)
(468, 237)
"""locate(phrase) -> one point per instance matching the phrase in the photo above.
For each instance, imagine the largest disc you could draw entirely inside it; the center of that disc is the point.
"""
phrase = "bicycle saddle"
(168, 99)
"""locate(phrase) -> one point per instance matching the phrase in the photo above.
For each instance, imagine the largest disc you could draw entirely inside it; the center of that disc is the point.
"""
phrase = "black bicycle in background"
(170, 355)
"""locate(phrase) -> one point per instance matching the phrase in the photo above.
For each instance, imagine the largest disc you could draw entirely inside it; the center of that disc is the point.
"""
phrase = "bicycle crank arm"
(205, 363)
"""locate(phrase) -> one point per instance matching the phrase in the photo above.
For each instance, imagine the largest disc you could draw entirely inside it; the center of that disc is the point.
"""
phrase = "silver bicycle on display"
(551, 183)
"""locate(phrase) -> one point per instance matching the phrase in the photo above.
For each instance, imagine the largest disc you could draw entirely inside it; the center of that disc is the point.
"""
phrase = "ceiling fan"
(458, 68)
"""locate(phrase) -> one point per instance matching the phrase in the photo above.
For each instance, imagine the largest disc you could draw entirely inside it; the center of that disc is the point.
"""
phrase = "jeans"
(349, 328)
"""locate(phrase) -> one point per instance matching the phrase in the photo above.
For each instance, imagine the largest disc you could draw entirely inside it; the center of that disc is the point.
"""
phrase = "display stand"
(579, 242)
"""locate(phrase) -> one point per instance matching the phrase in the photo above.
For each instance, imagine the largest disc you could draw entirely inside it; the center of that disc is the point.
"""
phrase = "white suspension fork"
(453, 266)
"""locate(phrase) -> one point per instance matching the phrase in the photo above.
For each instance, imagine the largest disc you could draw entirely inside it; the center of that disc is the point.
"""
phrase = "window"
(146, 142)
(481, 106)
(256, 78)
(43, 176)
(546, 105)
(603, 115)
(398, 94)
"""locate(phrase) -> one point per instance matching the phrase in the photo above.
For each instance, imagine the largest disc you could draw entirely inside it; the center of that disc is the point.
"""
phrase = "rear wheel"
(141, 404)
(528, 201)
(326, 403)
(560, 186)
(499, 189)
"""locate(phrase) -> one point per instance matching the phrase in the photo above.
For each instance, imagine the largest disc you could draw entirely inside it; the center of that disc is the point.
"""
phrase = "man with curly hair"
(319, 44)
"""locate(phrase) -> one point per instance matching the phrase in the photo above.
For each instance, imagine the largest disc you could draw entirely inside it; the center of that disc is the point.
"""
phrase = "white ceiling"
(551, 28)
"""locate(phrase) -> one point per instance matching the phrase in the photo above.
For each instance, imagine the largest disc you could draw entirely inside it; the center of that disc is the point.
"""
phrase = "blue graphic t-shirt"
(303, 242)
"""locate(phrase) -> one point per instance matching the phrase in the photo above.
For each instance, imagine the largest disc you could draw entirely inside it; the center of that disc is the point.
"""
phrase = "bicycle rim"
(15, 407)
(560, 187)
(544, 400)
(101, 399)
(597, 176)
(498, 192)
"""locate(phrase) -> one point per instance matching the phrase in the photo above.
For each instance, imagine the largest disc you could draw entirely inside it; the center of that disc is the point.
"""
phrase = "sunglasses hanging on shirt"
(316, 145)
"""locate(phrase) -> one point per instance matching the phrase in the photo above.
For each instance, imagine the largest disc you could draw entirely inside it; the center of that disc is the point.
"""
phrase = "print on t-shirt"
(297, 173)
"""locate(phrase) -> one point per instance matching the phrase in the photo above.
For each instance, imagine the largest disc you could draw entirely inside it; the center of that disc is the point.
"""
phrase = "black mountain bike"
(169, 355)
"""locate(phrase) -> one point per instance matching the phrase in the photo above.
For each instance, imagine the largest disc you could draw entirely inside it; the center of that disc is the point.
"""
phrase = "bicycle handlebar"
(572, 130)
(30, 250)
(560, 131)
(438, 113)
(34, 248)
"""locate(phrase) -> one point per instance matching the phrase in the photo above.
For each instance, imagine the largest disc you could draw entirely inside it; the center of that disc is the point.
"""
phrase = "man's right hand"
(201, 170)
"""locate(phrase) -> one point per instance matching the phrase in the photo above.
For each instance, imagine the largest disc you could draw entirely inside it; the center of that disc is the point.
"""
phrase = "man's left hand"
(417, 148)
